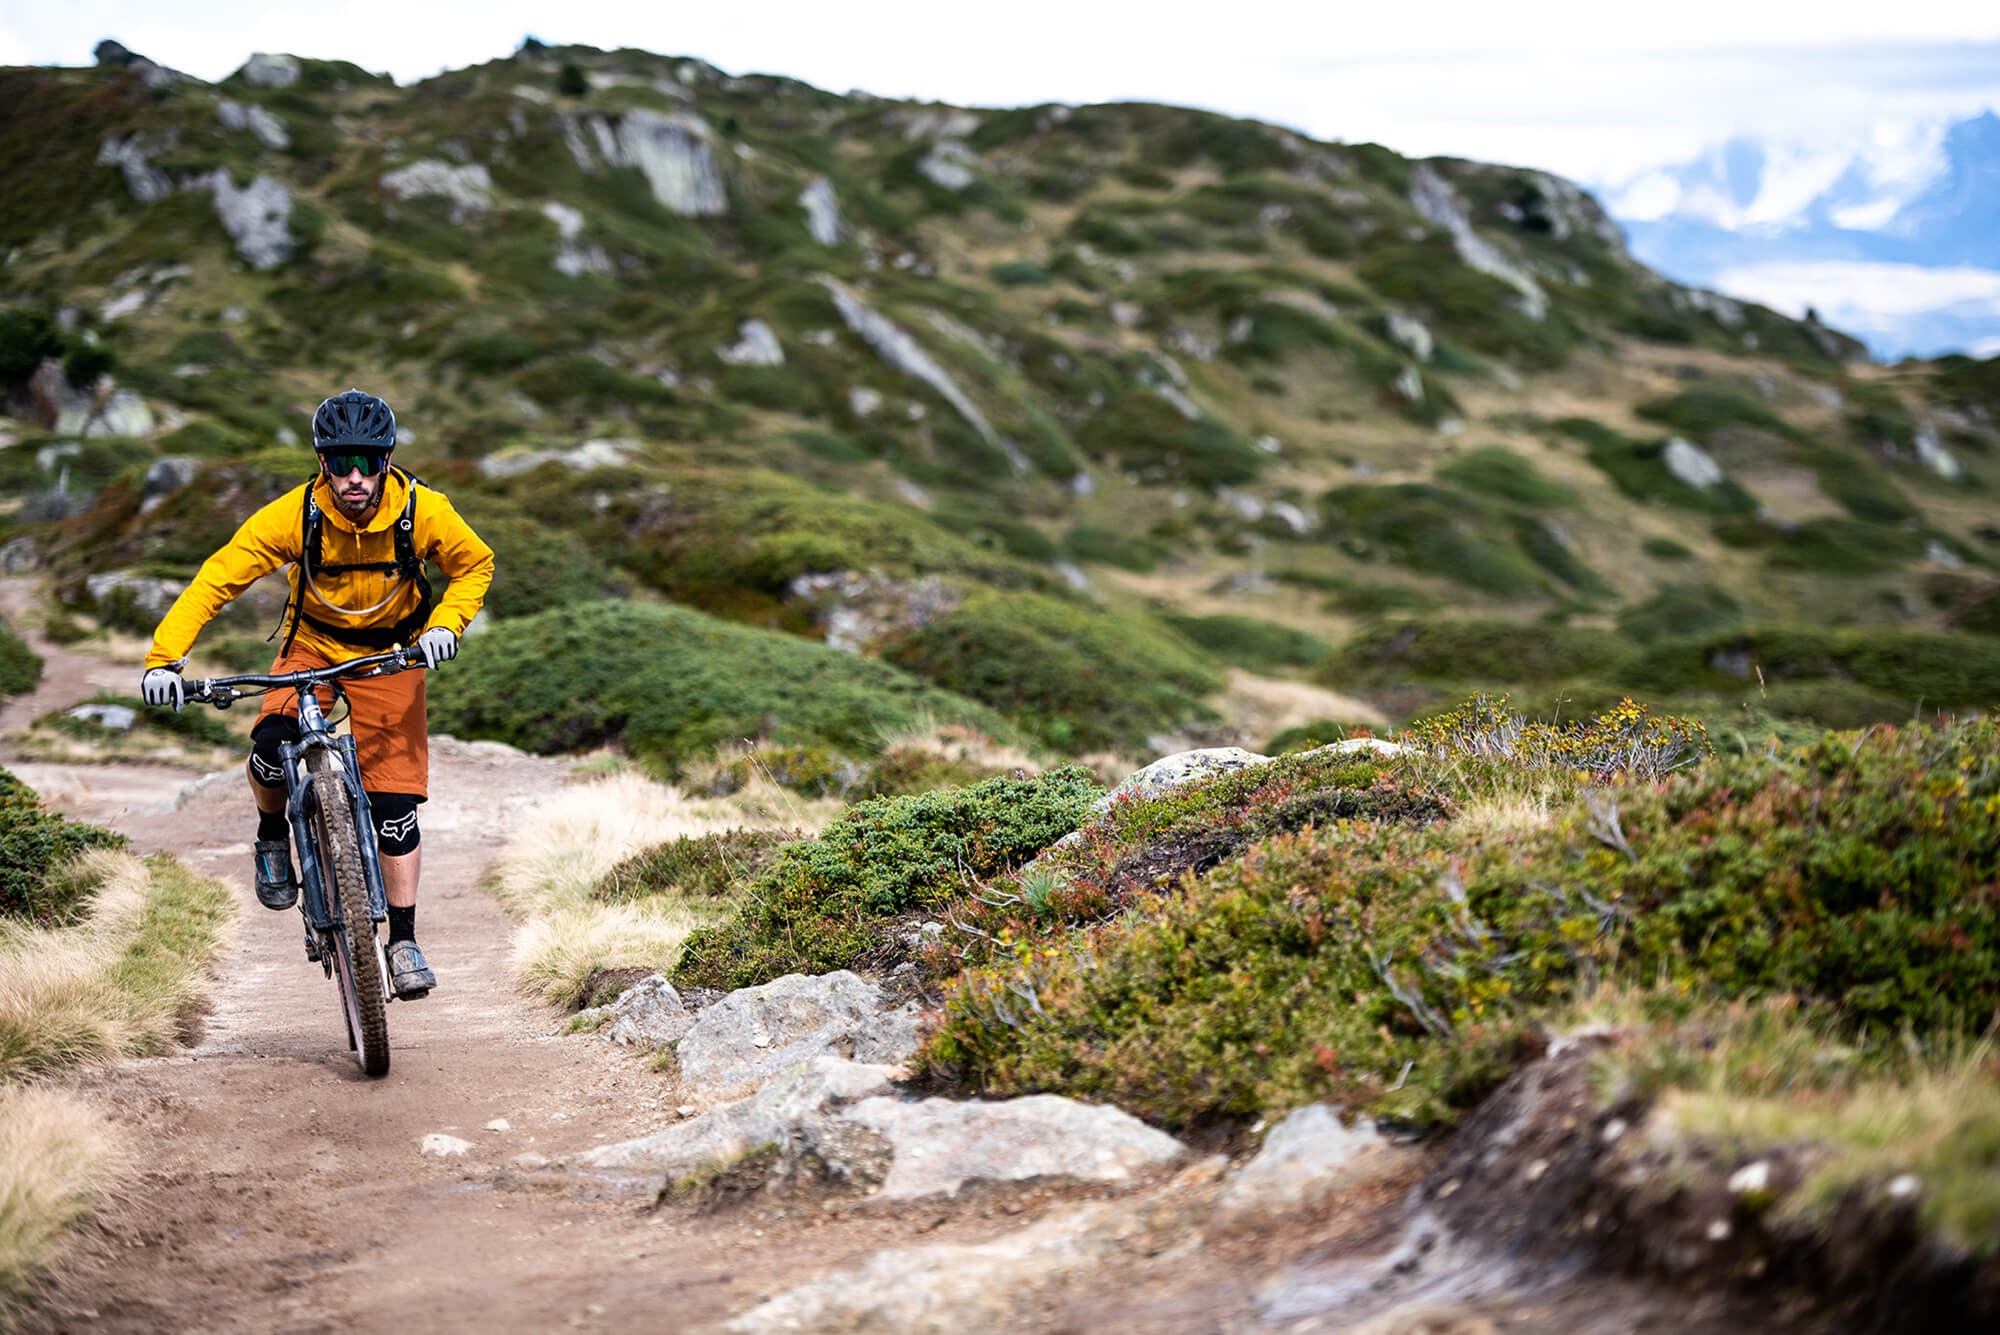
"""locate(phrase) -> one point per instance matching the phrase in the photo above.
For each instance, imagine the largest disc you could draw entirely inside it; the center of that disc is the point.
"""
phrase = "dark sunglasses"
(340, 463)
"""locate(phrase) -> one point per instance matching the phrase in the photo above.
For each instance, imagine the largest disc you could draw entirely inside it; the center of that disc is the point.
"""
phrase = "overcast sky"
(1594, 91)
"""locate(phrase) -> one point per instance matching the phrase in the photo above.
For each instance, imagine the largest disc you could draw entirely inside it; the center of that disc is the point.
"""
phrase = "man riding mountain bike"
(356, 537)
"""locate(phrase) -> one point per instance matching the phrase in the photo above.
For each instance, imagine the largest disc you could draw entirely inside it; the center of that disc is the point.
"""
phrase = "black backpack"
(407, 564)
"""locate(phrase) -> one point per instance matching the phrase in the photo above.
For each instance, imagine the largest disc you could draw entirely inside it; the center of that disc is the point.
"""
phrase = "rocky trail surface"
(506, 1176)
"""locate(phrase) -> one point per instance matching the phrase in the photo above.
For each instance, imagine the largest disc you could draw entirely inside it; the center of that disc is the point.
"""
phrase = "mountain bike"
(333, 835)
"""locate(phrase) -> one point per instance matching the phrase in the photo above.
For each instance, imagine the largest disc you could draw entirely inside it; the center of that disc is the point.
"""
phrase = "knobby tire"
(357, 964)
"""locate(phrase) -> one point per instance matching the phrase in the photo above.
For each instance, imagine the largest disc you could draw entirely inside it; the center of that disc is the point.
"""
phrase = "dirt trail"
(278, 1189)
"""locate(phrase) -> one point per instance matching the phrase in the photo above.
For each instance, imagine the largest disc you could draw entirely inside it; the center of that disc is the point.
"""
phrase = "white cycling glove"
(163, 686)
(437, 645)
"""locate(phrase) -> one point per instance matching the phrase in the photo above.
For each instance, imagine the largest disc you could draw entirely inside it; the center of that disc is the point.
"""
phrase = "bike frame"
(322, 914)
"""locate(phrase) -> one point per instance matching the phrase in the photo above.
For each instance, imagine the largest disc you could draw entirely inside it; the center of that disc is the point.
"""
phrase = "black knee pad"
(267, 766)
(396, 831)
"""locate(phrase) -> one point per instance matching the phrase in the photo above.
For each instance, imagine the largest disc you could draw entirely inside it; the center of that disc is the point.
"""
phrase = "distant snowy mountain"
(1896, 239)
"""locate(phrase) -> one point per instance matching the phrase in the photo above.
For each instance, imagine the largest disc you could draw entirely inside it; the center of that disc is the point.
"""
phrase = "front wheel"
(357, 963)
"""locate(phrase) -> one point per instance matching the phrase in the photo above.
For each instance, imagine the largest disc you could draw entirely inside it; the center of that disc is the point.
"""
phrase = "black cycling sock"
(273, 825)
(402, 924)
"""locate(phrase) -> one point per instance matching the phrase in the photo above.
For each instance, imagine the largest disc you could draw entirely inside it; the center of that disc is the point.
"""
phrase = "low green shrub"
(1400, 971)
(1639, 469)
(709, 866)
(1666, 549)
(1681, 610)
(1076, 677)
(829, 903)
(1494, 470)
(1307, 737)
(1433, 531)
(1148, 437)
(35, 843)
(1112, 547)
(20, 666)
(1491, 652)
(535, 567)
(673, 684)
(1250, 642)
(1707, 409)
(1940, 669)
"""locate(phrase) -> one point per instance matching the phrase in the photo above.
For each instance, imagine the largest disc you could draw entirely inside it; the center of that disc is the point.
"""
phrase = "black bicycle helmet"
(354, 419)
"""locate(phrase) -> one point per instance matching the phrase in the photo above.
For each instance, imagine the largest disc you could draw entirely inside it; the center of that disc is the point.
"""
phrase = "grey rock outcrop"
(1306, 1158)
(146, 183)
(1691, 464)
(856, 609)
(572, 259)
(467, 190)
(115, 718)
(148, 594)
(1184, 767)
(756, 1032)
(894, 346)
(266, 70)
(939, 1145)
(822, 208)
(949, 165)
(789, 1112)
(673, 150)
(647, 1014)
(1432, 196)
(1932, 454)
(756, 345)
(592, 454)
(257, 217)
(169, 473)
(1412, 334)
(266, 126)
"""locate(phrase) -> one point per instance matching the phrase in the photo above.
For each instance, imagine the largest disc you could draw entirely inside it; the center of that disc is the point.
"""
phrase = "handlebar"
(222, 691)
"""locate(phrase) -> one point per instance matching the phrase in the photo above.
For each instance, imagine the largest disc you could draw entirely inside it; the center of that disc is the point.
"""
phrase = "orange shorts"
(391, 738)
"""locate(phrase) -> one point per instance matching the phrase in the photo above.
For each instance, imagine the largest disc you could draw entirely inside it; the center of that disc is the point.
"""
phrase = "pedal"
(312, 950)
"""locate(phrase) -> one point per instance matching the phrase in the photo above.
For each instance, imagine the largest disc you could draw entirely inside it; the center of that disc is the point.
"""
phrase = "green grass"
(1639, 470)
(1432, 531)
(671, 684)
(711, 866)
(20, 666)
(1489, 653)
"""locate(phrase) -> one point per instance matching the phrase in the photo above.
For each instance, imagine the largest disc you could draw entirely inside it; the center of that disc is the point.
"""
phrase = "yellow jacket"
(362, 599)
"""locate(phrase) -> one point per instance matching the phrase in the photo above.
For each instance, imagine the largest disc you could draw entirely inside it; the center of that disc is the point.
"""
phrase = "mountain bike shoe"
(276, 886)
(409, 975)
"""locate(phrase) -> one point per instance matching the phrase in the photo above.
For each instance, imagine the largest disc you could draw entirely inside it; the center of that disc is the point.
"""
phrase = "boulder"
(147, 594)
(948, 165)
(1306, 1158)
(938, 1145)
(592, 454)
(169, 473)
(241, 116)
(1934, 456)
(467, 191)
(572, 259)
(51, 396)
(1691, 464)
(115, 718)
(1412, 334)
(648, 1014)
(20, 557)
(756, 1032)
(822, 208)
(1184, 767)
(757, 345)
(257, 217)
(266, 70)
(787, 1112)
(146, 183)
(123, 413)
(1409, 383)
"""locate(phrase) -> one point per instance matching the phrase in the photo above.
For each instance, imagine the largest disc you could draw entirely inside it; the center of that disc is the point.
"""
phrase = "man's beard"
(355, 509)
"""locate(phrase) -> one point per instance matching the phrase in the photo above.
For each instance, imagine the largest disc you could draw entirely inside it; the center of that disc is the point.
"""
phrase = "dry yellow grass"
(546, 871)
(126, 979)
(58, 1158)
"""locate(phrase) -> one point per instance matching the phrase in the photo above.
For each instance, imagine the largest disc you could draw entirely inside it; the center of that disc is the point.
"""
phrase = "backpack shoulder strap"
(309, 525)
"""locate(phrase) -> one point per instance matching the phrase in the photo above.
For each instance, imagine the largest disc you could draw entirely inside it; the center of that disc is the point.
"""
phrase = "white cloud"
(1841, 289)
(1985, 347)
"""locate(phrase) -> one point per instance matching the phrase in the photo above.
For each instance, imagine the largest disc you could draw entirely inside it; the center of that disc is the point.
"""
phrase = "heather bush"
(34, 844)
(1400, 970)
(830, 903)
